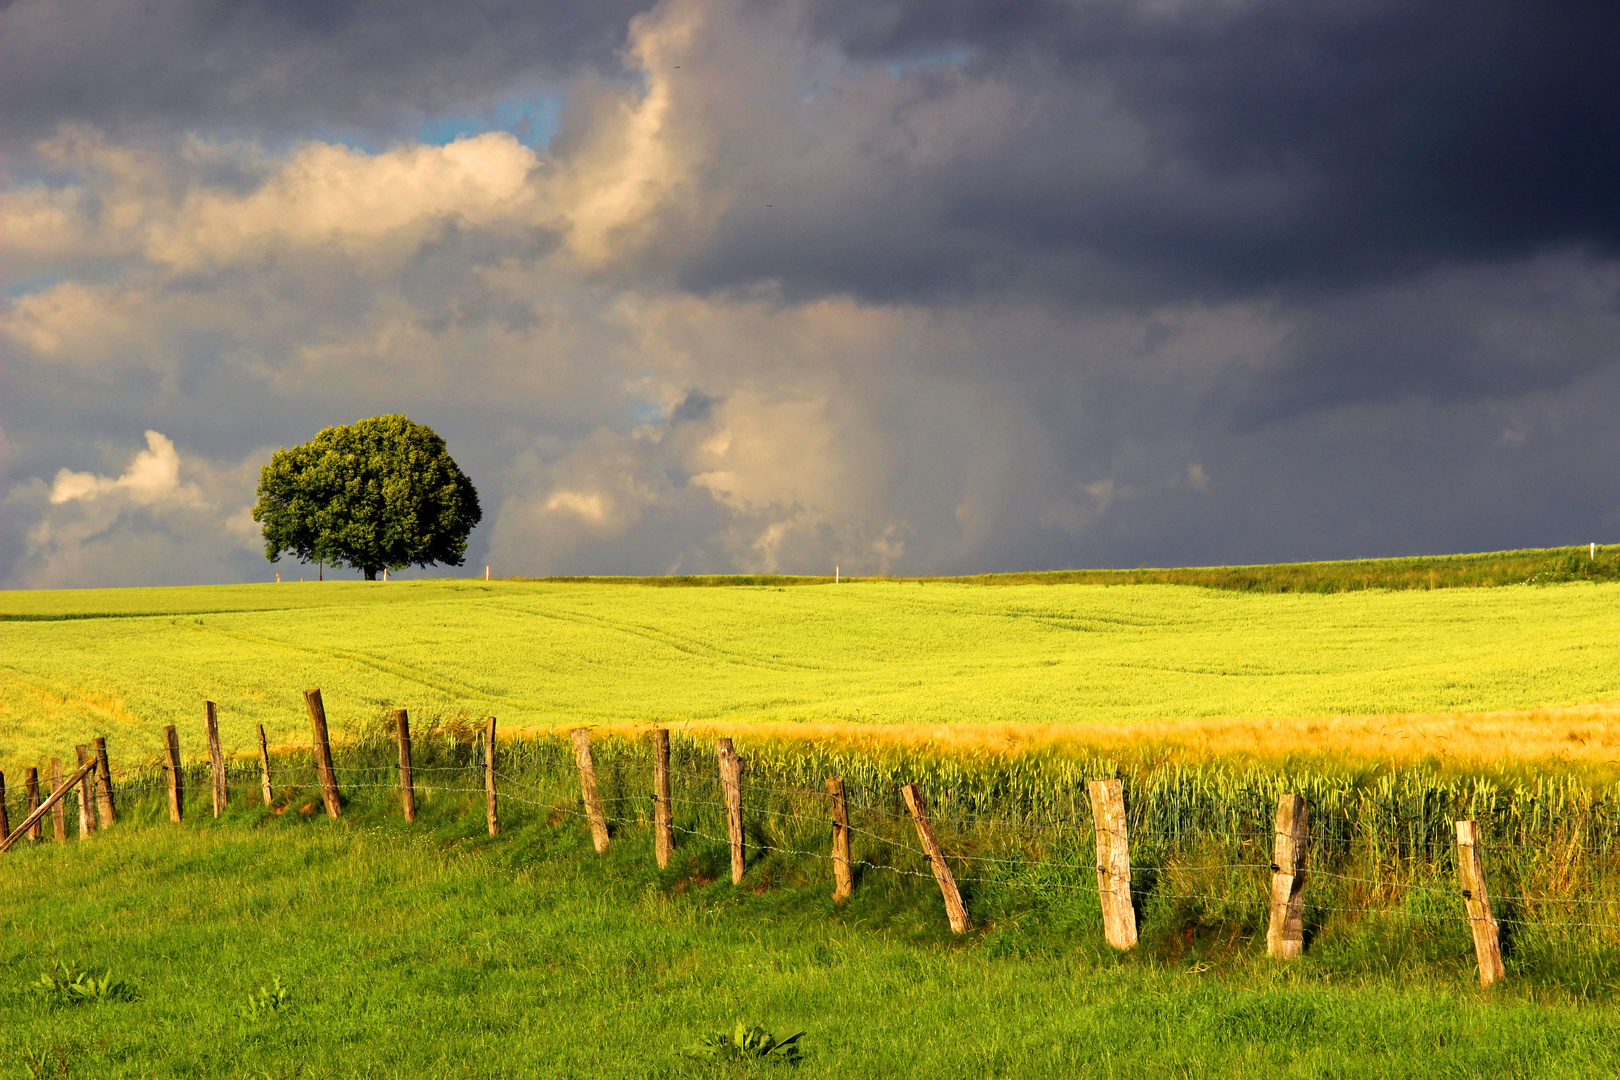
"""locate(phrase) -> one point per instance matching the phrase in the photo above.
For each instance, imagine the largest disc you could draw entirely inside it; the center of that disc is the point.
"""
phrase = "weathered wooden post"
(1113, 862)
(955, 910)
(216, 756)
(731, 782)
(1477, 900)
(489, 776)
(589, 792)
(1285, 937)
(59, 813)
(407, 784)
(663, 811)
(5, 816)
(843, 876)
(87, 805)
(104, 792)
(323, 753)
(264, 769)
(52, 804)
(31, 791)
(171, 762)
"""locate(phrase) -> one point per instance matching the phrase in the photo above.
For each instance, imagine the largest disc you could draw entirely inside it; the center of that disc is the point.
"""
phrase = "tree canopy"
(383, 493)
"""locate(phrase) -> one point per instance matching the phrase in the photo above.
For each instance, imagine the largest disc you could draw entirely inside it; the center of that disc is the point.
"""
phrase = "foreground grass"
(856, 655)
(434, 951)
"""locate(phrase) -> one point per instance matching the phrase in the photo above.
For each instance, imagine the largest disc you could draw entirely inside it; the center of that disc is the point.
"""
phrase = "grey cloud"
(1283, 146)
(1492, 332)
(367, 69)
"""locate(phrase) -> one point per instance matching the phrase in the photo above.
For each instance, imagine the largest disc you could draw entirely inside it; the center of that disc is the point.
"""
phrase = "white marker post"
(835, 575)
(1594, 549)
(486, 573)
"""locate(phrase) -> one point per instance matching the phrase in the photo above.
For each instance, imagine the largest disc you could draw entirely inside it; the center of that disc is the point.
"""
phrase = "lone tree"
(380, 494)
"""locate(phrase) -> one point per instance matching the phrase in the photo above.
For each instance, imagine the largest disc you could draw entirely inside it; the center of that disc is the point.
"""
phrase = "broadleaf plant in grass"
(747, 1043)
(380, 494)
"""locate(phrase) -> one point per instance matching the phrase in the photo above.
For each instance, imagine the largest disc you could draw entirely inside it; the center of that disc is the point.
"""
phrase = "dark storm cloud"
(361, 68)
(1290, 145)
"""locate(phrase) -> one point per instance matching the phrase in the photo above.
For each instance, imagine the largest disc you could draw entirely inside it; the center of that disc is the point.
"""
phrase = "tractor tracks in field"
(694, 647)
(450, 687)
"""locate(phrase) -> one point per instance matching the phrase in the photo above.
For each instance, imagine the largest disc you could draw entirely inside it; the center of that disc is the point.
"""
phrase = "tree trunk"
(371, 574)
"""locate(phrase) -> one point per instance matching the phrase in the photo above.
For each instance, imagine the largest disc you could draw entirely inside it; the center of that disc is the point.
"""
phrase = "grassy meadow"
(924, 660)
(435, 950)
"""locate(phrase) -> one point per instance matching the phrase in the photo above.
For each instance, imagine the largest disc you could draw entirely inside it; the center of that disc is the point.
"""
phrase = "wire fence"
(1021, 832)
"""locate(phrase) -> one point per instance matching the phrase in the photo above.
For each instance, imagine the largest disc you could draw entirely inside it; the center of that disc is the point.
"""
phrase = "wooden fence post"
(5, 816)
(489, 775)
(323, 752)
(407, 785)
(1471, 869)
(1285, 936)
(663, 812)
(177, 783)
(87, 803)
(588, 790)
(104, 792)
(955, 910)
(216, 756)
(264, 769)
(58, 814)
(843, 876)
(51, 805)
(31, 790)
(1113, 862)
(731, 781)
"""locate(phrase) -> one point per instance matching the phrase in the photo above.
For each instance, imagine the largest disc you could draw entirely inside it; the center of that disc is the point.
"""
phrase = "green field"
(432, 950)
(126, 662)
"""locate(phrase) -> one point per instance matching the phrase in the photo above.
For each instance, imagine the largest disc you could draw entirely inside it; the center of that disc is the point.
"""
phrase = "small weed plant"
(747, 1044)
(52, 1064)
(267, 1001)
(70, 984)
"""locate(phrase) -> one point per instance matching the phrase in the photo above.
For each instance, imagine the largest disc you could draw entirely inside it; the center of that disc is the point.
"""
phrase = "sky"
(902, 286)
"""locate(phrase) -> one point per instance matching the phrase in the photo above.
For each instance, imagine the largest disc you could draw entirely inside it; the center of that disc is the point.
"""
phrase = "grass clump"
(747, 1044)
(71, 984)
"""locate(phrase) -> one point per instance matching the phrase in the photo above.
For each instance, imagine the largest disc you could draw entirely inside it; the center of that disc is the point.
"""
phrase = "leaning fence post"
(52, 804)
(1471, 868)
(177, 789)
(955, 910)
(104, 791)
(843, 878)
(731, 781)
(489, 775)
(87, 805)
(5, 817)
(663, 813)
(58, 813)
(1113, 862)
(264, 769)
(31, 789)
(1285, 937)
(216, 756)
(588, 790)
(407, 785)
(323, 752)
